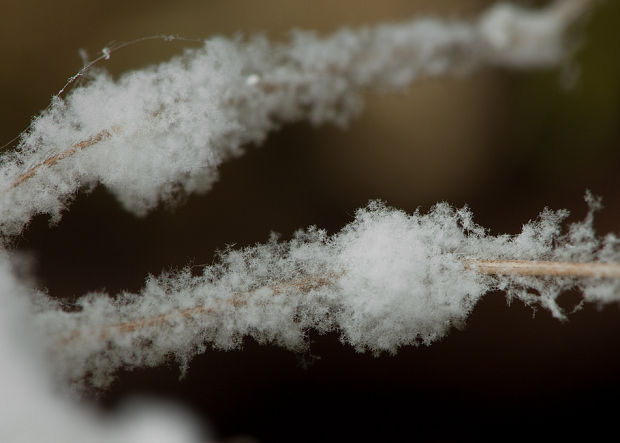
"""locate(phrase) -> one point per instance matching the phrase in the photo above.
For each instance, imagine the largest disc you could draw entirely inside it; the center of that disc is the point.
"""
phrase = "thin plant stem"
(303, 284)
(530, 268)
(545, 268)
(51, 161)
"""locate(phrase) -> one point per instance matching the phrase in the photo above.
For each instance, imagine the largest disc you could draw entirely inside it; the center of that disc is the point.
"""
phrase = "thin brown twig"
(545, 268)
(303, 284)
(489, 267)
(90, 141)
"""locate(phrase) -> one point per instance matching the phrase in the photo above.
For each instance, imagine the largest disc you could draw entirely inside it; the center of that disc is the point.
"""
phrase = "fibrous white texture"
(386, 280)
(164, 130)
(32, 408)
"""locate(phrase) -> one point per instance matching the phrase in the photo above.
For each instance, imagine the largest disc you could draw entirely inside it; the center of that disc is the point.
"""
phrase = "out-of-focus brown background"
(506, 143)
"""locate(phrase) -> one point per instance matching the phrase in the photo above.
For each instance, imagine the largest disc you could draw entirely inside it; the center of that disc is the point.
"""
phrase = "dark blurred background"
(505, 143)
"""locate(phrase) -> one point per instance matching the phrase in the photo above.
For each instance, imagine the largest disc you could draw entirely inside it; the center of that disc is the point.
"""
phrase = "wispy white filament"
(165, 130)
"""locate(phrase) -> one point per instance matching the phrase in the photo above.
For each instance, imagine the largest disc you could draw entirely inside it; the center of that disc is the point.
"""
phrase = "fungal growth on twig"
(164, 130)
(388, 279)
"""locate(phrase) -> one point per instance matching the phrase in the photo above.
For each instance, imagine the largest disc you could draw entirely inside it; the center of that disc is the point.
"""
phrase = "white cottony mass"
(162, 131)
(386, 280)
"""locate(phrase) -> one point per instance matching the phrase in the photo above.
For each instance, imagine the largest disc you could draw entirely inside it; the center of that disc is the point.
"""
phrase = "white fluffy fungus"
(386, 280)
(162, 131)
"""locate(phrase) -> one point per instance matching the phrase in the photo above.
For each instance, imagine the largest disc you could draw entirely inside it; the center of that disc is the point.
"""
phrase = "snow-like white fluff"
(163, 131)
(388, 279)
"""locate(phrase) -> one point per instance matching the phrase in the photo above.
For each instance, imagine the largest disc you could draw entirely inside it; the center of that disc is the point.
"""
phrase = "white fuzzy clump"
(32, 409)
(163, 131)
(389, 279)
(386, 280)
